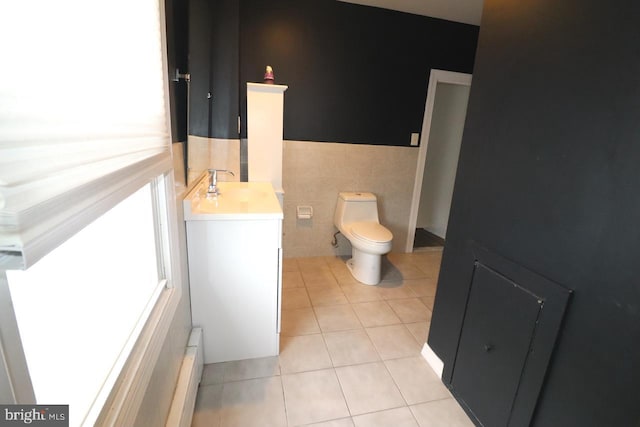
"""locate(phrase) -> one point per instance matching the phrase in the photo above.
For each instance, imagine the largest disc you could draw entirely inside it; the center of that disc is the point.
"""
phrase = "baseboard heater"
(184, 398)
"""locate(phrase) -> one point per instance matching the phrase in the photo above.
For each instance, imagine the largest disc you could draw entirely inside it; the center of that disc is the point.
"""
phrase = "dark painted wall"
(213, 64)
(177, 57)
(548, 178)
(355, 74)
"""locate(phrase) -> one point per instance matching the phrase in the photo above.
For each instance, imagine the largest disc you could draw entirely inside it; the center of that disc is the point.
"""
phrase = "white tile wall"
(313, 174)
(205, 153)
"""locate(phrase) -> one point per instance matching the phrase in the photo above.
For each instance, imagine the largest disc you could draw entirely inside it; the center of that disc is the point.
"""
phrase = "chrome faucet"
(213, 183)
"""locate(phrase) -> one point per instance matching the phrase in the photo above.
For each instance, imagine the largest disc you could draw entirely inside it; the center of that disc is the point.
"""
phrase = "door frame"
(435, 77)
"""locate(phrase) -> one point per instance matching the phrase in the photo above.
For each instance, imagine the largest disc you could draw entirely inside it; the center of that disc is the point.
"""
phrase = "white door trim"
(436, 76)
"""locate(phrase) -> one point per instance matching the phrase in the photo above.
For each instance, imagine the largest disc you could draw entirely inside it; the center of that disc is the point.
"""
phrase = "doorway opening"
(442, 126)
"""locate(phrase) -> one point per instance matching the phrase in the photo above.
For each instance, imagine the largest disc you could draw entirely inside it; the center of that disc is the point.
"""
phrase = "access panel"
(507, 337)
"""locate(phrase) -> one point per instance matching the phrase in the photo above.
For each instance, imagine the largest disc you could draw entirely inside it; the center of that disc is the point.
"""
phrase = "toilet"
(356, 217)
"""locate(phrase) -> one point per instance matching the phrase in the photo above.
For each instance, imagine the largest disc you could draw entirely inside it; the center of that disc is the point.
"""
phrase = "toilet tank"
(355, 206)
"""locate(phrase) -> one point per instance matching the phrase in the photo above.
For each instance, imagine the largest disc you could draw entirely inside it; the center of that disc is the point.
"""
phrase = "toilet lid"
(371, 231)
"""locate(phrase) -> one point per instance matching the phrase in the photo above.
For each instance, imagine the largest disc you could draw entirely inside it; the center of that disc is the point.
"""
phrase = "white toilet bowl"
(356, 217)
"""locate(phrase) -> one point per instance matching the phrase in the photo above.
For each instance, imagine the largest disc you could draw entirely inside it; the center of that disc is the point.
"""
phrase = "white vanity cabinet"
(235, 274)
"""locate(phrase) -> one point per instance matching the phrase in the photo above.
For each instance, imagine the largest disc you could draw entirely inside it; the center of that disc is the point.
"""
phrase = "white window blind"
(83, 120)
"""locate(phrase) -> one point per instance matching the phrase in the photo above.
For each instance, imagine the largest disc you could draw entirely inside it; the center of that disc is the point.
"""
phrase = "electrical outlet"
(415, 139)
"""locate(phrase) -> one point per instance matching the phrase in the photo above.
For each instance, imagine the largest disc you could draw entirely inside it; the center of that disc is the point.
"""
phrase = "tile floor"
(349, 354)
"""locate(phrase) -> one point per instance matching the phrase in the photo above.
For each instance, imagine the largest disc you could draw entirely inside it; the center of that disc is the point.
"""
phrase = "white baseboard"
(432, 359)
(184, 398)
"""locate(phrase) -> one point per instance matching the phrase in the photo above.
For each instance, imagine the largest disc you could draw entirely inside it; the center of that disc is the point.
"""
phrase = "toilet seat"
(372, 232)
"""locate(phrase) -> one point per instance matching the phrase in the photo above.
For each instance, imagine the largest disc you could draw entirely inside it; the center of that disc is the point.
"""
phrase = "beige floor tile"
(257, 402)
(343, 275)
(389, 291)
(213, 373)
(422, 287)
(330, 295)
(350, 348)
(292, 279)
(368, 388)
(207, 411)
(410, 310)
(319, 278)
(312, 263)
(343, 422)
(312, 397)
(429, 263)
(400, 258)
(393, 342)
(239, 370)
(441, 413)
(360, 293)
(295, 298)
(405, 265)
(398, 417)
(337, 318)
(290, 264)
(375, 313)
(416, 380)
(303, 353)
(336, 261)
(419, 330)
(301, 321)
(428, 301)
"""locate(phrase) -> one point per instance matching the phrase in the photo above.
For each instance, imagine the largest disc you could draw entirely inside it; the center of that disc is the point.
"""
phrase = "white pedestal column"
(265, 111)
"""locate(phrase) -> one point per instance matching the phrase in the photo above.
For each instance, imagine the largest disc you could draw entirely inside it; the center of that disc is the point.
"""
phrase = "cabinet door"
(233, 275)
(496, 336)
(507, 337)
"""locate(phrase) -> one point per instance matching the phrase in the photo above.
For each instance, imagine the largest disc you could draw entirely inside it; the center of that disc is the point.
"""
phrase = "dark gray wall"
(213, 64)
(355, 74)
(548, 178)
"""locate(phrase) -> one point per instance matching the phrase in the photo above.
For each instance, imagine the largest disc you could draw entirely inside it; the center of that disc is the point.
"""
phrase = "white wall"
(443, 149)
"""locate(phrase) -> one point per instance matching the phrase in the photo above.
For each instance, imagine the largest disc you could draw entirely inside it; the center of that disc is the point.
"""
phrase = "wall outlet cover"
(415, 139)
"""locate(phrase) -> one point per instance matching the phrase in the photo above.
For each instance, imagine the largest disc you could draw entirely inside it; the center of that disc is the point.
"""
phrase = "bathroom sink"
(244, 194)
(236, 200)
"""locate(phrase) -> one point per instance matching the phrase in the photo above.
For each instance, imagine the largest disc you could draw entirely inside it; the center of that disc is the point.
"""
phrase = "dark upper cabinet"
(508, 334)
(213, 65)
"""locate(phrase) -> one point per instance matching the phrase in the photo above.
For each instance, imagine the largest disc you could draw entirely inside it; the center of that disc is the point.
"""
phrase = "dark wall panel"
(225, 57)
(355, 74)
(548, 179)
(199, 66)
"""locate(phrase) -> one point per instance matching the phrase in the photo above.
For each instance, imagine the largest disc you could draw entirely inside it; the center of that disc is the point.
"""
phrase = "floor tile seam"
(326, 347)
(341, 330)
(376, 348)
(344, 398)
(388, 409)
(401, 299)
(253, 378)
(396, 382)
(306, 371)
(387, 304)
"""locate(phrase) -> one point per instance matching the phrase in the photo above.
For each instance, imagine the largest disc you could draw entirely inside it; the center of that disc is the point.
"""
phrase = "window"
(82, 306)
(85, 204)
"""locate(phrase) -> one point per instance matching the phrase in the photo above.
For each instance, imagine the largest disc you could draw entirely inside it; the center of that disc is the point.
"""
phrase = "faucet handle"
(214, 180)
(214, 172)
